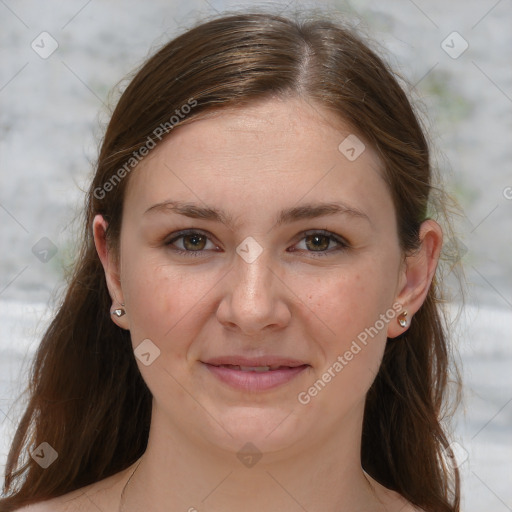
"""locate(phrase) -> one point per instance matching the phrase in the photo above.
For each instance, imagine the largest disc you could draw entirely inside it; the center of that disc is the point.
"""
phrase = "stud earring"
(402, 319)
(119, 311)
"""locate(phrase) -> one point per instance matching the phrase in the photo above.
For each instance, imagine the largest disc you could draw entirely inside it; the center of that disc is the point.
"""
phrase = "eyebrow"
(305, 211)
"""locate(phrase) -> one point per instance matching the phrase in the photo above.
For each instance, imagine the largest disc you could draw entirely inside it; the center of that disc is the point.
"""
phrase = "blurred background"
(60, 62)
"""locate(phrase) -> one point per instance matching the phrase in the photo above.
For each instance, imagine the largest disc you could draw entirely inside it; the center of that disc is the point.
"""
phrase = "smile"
(255, 378)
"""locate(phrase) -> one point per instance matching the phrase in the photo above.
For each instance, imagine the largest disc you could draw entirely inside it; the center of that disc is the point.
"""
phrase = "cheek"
(162, 297)
(164, 302)
(350, 301)
(356, 309)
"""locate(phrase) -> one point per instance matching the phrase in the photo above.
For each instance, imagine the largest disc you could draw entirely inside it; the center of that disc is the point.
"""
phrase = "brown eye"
(190, 242)
(195, 242)
(317, 242)
(321, 243)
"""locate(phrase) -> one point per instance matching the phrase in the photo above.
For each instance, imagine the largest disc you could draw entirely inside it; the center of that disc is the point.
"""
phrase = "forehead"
(270, 152)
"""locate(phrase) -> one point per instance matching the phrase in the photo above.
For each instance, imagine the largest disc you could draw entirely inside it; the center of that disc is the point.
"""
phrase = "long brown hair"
(87, 398)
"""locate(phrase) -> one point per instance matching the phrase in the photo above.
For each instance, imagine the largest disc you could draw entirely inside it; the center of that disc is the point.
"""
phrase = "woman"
(253, 321)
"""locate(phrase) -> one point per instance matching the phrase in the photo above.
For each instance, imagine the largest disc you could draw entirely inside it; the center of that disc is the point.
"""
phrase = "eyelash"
(343, 244)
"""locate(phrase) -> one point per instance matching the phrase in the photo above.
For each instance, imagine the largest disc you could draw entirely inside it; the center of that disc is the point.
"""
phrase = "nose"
(255, 297)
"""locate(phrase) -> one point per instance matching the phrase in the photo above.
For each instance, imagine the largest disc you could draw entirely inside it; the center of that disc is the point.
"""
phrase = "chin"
(268, 429)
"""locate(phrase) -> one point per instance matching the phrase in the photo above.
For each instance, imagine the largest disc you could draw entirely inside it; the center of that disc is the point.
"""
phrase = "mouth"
(254, 376)
(254, 368)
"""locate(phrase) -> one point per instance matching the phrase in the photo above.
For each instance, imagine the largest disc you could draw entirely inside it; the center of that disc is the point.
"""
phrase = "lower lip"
(255, 381)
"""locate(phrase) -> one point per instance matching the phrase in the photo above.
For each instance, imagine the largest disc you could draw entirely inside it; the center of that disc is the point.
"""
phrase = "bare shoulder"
(409, 507)
(43, 506)
(54, 505)
(392, 501)
(103, 495)
(72, 502)
(67, 503)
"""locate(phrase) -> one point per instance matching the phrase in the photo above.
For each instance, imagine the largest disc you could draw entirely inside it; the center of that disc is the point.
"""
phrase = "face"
(249, 239)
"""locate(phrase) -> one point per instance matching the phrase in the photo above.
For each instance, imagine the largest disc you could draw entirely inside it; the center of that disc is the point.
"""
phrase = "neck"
(181, 473)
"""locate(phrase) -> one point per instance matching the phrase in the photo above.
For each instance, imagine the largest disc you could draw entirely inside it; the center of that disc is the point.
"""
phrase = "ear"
(417, 273)
(111, 268)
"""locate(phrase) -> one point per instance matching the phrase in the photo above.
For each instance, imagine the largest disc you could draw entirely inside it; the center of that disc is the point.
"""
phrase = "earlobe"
(418, 272)
(110, 267)
(400, 324)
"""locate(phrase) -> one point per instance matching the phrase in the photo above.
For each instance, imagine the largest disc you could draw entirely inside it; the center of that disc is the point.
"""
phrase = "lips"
(255, 374)
(252, 368)
(273, 362)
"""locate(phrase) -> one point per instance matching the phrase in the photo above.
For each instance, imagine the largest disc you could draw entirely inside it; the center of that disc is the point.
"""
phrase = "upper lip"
(254, 361)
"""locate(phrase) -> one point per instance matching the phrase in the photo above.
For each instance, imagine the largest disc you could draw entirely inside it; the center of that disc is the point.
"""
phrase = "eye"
(194, 242)
(321, 242)
(190, 242)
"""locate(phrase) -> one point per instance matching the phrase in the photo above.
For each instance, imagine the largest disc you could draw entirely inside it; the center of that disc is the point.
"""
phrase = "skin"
(290, 301)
